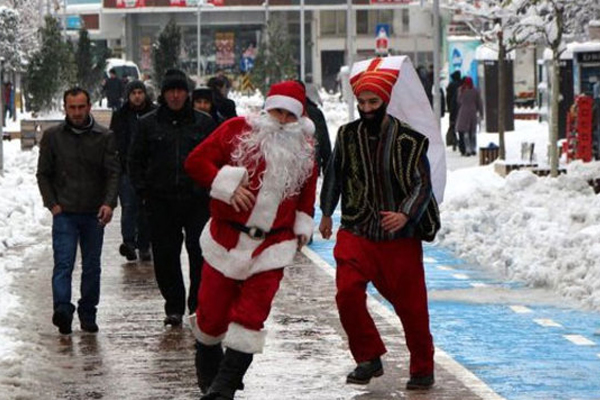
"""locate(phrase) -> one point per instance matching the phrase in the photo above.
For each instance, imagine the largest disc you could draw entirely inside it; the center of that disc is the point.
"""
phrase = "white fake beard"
(287, 150)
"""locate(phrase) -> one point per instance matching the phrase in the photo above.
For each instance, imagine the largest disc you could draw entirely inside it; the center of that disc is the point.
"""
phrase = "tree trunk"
(554, 102)
(501, 95)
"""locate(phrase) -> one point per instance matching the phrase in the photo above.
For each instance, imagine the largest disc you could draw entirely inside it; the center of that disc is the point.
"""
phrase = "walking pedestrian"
(78, 177)
(7, 100)
(224, 107)
(469, 102)
(134, 222)
(262, 176)
(323, 143)
(174, 203)
(202, 99)
(380, 169)
(113, 90)
(452, 103)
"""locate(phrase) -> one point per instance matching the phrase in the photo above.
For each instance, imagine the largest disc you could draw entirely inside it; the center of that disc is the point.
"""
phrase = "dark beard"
(372, 121)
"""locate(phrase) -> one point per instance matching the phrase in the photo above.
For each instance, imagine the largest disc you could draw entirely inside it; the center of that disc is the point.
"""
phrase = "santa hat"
(375, 79)
(288, 95)
(409, 103)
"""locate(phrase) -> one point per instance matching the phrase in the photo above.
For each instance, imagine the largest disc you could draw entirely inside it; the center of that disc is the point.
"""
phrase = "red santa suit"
(242, 270)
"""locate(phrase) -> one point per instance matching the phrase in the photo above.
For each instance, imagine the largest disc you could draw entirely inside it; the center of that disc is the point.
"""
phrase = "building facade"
(231, 30)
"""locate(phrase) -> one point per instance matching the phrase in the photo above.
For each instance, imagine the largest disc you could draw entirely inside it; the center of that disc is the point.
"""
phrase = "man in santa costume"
(381, 171)
(262, 176)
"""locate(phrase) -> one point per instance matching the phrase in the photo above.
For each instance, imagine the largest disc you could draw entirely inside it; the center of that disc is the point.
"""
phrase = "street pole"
(349, 57)
(2, 122)
(437, 107)
(198, 41)
(302, 46)
(267, 80)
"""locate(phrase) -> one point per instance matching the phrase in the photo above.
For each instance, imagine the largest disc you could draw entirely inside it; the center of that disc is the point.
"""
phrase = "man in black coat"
(113, 90)
(321, 134)
(175, 204)
(452, 103)
(124, 124)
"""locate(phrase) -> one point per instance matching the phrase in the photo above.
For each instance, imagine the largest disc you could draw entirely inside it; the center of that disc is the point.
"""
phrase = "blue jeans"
(68, 229)
(134, 222)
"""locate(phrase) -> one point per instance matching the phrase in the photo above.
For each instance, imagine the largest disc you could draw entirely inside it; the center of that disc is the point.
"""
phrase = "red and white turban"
(395, 79)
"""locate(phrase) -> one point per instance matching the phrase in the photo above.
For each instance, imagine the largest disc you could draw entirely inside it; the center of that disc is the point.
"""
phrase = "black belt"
(254, 232)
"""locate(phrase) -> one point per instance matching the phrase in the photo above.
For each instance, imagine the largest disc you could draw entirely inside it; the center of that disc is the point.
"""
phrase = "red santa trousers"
(222, 300)
(395, 268)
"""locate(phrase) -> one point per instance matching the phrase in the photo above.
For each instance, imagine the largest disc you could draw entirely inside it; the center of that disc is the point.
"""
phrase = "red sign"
(391, 1)
(130, 3)
(217, 2)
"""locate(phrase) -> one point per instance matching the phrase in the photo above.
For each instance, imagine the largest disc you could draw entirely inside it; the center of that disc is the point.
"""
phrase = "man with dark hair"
(224, 107)
(78, 176)
(113, 90)
(381, 171)
(124, 124)
(202, 99)
(174, 203)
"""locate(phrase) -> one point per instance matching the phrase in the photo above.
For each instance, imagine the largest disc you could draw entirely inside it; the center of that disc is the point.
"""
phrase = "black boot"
(364, 371)
(229, 378)
(208, 359)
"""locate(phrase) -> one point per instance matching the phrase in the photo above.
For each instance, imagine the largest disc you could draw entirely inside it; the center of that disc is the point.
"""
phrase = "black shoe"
(145, 256)
(128, 251)
(173, 319)
(364, 371)
(420, 382)
(63, 322)
(88, 326)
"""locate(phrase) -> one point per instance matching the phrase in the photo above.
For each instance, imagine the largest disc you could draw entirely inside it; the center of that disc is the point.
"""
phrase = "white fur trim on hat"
(245, 340)
(227, 181)
(304, 224)
(286, 102)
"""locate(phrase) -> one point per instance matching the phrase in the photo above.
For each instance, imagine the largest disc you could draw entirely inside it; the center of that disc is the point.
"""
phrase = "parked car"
(123, 68)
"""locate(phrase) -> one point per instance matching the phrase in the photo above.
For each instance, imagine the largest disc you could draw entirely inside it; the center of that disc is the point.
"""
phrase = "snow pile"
(22, 220)
(540, 231)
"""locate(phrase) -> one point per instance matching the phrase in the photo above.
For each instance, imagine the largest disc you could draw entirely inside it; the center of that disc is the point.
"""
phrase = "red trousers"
(222, 300)
(396, 270)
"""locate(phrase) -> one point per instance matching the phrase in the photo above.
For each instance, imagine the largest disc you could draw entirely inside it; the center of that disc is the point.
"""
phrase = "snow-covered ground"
(540, 231)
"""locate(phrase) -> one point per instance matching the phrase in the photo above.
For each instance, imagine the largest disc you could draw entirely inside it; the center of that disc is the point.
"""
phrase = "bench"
(488, 155)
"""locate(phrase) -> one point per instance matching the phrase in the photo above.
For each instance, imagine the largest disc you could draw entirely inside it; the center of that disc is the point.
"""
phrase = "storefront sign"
(224, 41)
(391, 1)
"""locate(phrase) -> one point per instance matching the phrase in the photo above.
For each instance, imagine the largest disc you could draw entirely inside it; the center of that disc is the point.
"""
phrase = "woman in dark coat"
(469, 102)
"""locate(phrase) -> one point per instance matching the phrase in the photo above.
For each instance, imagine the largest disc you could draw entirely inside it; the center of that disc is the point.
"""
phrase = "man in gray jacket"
(78, 177)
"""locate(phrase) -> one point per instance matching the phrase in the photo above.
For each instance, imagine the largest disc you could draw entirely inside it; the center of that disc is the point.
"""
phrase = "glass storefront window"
(367, 21)
(333, 22)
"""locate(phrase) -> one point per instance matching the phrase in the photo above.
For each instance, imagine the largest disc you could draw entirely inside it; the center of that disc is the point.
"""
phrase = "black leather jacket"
(159, 148)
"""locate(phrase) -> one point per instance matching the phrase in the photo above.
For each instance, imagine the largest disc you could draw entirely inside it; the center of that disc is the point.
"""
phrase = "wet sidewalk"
(135, 357)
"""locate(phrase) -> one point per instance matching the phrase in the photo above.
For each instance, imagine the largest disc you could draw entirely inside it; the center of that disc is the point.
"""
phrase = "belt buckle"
(256, 233)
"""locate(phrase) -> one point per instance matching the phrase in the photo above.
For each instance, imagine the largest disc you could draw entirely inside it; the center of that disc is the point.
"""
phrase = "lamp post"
(349, 56)
(302, 49)
(2, 111)
(199, 40)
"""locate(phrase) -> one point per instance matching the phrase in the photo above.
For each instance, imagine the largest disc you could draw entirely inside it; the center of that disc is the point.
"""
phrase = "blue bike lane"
(522, 347)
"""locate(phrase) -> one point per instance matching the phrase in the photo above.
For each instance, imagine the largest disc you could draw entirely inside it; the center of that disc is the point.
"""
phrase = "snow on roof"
(595, 22)
(567, 54)
(489, 52)
(462, 38)
(585, 47)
